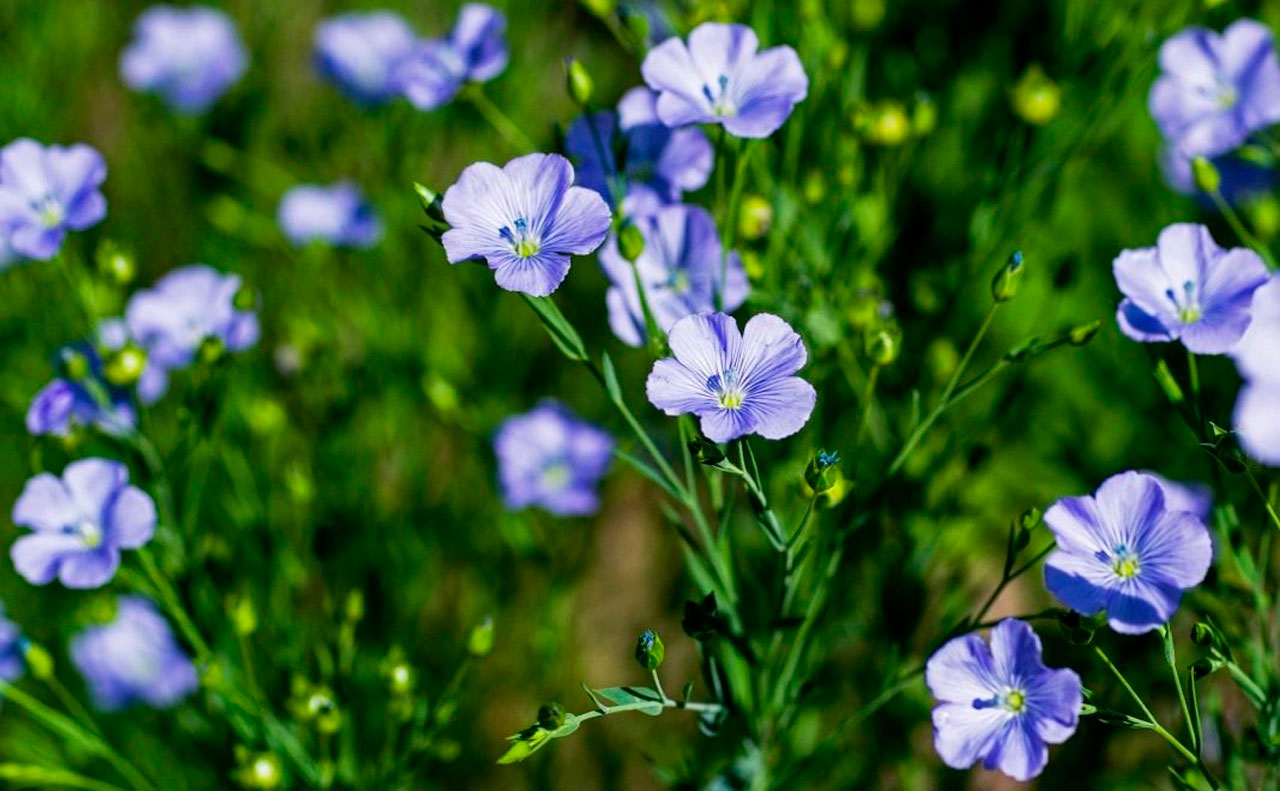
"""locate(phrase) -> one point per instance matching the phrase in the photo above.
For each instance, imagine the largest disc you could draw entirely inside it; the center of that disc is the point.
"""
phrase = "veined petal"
(581, 224)
(536, 275)
(678, 390)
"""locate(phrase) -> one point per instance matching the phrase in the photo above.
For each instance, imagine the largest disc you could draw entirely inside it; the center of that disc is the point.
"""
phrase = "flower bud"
(867, 14)
(114, 262)
(1081, 335)
(578, 81)
(1202, 668)
(702, 619)
(888, 124)
(550, 716)
(706, 452)
(245, 299)
(882, 345)
(480, 641)
(601, 8)
(815, 187)
(1036, 98)
(353, 607)
(243, 615)
(1004, 286)
(262, 771)
(649, 650)
(1204, 635)
(401, 679)
(1206, 175)
(754, 218)
(125, 365)
(39, 660)
(75, 364)
(630, 242)
(924, 115)
(211, 350)
(821, 473)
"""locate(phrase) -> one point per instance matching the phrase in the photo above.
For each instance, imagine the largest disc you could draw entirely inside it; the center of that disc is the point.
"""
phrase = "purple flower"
(999, 704)
(46, 191)
(133, 659)
(361, 53)
(737, 383)
(1215, 89)
(719, 77)
(11, 645)
(336, 215)
(64, 403)
(1186, 288)
(189, 56)
(1257, 413)
(680, 270)
(1127, 551)
(475, 51)
(549, 458)
(524, 219)
(661, 163)
(79, 524)
(171, 319)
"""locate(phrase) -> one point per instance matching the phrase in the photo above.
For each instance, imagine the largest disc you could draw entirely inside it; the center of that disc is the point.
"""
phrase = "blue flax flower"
(549, 458)
(1188, 289)
(11, 649)
(337, 215)
(65, 403)
(189, 56)
(738, 383)
(172, 318)
(1257, 412)
(524, 219)
(720, 77)
(362, 52)
(474, 51)
(46, 191)
(79, 524)
(679, 269)
(1216, 89)
(1126, 550)
(659, 164)
(133, 659)
(999, 704)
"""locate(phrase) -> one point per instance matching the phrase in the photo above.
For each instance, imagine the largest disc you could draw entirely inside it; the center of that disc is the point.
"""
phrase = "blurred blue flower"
(549, 458)
(1194, 498)
(1215, 89)
(1127, 551)
(189, 56)
(679, 269)
(46, 191)
(719, 77)
(80, 522)
(172, 318)
(1257, 356)
(11, 649)
(1242, 180)
(1187, 289)
(660, 163)
(337, 215)
(999, 704)
(475, 51)
(133, 659)
(524, 219)
(361, 53)
(737, 383)
(64, 403)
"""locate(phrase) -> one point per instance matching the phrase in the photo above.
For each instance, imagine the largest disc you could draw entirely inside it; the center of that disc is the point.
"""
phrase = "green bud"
(924, 115)
(707, 452)
(480, 641)
(245, 299)
(262, 771)
(1079, 336)
(401, 678)
(1030, 519)
(125, 365)
(887, 124)
(821, 473)
(114, 262)
(702, 619)
(1206, 175)
(243, 615)
(1036, 99)
(353, 607)
(637, 23)
(601, 8)
(550, 716)
(630, 242)
(815, 187)
(649, 650)
(882, 345)
(578, 81)
(76, 364)
(211, 350)
(867, 14)
(1204, 635)
(39, 661)
(1004, 286)
(1169, 384)
(1079, 629)
(755, 217)
(1202, 668)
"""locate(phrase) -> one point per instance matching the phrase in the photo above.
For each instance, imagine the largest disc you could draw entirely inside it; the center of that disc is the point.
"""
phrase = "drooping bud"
(123, 366)
(821, 472)
(755, 217)
(630, 242)
(1004, 286)
(924, 115)
(211, 350)
(649, 650)
(578, 81)
(702, 619)
(882, 345)
(1081, 335)
(550, 716)
(707, 452)
(480, 641)
(1206, 175)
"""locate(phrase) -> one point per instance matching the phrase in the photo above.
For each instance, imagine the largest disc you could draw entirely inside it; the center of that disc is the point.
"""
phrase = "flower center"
(50, 211)
(679, 282)
(555, 475)
(1187, 304)
(721, 105)
(88, 531)
(1015, 700)
(1125, 564)
(729, 392)
(523, 243)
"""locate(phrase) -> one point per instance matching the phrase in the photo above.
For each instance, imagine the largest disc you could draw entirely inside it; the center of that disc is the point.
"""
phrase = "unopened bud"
(755, 217)
(550, 716)
(821, 473)
(924, 115)
(39, 660)
(882, 346)
(1030, 519)
(211, 350)
(244, 616)
(1081, 335)
(1036, 98)
(888, 125)
(1203, 635)
(76, 364)
(1206, 175)
(649, 650)
(114, 262)
(353, 607)
(867, 14)
(706, 452)
(480, 641)
(246, 299)
(125, 365)
(1004, 286)
(630, 242)
(1202, 668)
(401, 679)
(578, 81)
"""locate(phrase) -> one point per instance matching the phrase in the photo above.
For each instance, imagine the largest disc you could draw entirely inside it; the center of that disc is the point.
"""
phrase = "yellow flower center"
(1015, 700)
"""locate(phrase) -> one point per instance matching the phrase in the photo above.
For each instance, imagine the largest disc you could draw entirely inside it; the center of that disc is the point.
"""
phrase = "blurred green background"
(350, 451)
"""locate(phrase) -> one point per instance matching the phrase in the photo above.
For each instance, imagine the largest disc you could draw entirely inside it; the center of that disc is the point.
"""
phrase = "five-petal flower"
(550, 458)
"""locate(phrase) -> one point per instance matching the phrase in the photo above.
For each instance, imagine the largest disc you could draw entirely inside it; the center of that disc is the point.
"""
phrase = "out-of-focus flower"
(1035, 97)
(1195, 498)
(362, 52)
(1188, 289)
(11, 649)
(549, 458)
(720, 77)
(79, 524)
(475, 51)
(172, 318)
(1239, 180)
(524, 219)
(738, 383)
(66, 403)
(998, 703)
(1216, 88)
(679, 269)
(337, 215)
(1257, 356)
(660, 165)
(189, 56)
(134, 659)
(46, 191)
(1125, 550)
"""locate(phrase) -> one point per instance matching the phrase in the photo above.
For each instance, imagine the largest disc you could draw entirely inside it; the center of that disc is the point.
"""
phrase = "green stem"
(1271, 509)
(867, 395)
(503, 125)
(1170, 653)
(1237, 225)
(729, 223)
(73, 706)
(169, 598)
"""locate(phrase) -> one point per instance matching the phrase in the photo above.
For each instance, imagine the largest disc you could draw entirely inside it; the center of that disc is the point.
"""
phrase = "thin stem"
(867, 395)
(729, 223)
(1271, 509)
(501, 124)
(1193, 374)
(73, 706)
(169, 598)
(1237, 225)
(657, 684)
(1170, 653)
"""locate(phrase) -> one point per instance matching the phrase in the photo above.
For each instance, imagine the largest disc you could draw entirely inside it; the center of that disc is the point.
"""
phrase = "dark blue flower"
(46, 191)
(999, 704)
(549, 458)
(1127, 551)
(189, 56)
(362, 52)
(133, 659)
(337, 215)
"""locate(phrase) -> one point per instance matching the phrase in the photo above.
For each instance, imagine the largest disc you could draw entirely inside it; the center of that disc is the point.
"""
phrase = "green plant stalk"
(1237, 225)
(77, 711)
(35, 776)
(1170, 653)
(1266, 501)
(501, 124)
(729, 223)
(169, 598)
(867, 397)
